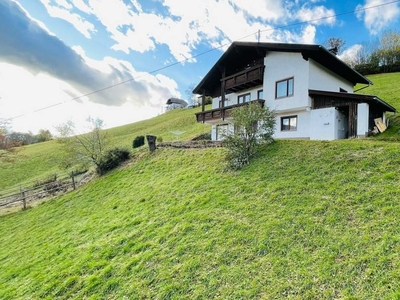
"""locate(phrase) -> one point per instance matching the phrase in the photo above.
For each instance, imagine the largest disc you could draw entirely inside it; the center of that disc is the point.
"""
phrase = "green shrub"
(254, 125)
(138, 141)
(160, 139)
(112, 159)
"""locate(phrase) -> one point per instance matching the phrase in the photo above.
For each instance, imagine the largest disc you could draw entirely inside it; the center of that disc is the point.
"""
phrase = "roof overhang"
(177, 101)
(370, 99)
(246, 52)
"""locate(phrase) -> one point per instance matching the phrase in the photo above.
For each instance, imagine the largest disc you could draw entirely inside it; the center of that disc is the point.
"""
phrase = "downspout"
(364, 87)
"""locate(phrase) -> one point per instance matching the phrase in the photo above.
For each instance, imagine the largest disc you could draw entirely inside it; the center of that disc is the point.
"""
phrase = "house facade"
(310, 89)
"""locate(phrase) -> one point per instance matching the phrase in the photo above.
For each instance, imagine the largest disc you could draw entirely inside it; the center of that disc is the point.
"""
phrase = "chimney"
(333, 50)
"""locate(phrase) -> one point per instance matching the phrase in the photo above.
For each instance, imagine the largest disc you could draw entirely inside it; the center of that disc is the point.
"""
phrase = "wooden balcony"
(245, 79)
(214, 116)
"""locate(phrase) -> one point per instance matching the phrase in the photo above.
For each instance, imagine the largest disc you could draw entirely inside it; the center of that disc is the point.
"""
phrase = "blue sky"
(54, 51)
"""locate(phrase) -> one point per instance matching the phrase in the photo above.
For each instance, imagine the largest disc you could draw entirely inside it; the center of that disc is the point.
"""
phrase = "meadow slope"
(306, 220)
(38, 161)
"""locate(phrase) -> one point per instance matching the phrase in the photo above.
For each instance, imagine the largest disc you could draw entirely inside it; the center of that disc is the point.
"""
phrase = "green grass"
(386, 87)
(38, 161)
(305, 220)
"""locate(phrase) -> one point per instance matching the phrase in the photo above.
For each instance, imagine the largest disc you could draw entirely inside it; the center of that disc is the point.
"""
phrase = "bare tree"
(85, 148)
(336, 44)
(390, 47)
(7, 148)
(366, 52)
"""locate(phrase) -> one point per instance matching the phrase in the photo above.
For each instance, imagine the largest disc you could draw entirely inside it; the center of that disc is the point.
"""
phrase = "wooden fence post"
(73, 180)
(23, 197)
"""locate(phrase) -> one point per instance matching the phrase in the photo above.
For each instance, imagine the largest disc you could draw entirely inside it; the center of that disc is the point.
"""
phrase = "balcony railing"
(217, 114)
(245, 79)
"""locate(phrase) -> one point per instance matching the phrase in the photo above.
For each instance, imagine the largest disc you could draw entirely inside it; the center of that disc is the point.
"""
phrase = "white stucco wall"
(362, 119)
(323, 124)
(328, 124)
(303, 126)
(279, 66)
(216, 136)
(320, 78)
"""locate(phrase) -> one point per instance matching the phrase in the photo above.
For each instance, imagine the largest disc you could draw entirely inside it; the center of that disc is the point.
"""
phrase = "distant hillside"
(40, 160)
(386, 86)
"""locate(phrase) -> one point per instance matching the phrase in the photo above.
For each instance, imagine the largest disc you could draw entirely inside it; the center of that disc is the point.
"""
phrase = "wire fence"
(38, 190)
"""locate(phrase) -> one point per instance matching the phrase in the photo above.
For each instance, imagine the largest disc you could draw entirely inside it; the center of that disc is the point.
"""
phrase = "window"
(225, 103)
(284, 88)
(289, 123)
(244, 98)
(260, 94)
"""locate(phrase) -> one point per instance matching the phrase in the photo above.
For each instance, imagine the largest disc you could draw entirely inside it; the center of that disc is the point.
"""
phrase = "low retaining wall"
(190, 144)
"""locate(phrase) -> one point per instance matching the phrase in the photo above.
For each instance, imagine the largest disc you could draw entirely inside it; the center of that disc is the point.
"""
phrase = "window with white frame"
(284, 88)
(289, 123)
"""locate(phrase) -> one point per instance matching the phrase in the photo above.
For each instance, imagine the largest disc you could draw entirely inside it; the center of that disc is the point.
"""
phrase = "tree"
(390, 48)
(7, 149)
(253, 125)
(18, 139)
(194, 99)
(85, 148)
(336, 44)
(365, 53)
(44, 135)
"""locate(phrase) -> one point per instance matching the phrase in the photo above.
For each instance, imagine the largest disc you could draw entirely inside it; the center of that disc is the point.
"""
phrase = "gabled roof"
(177, 101)
(251, 51)
(370, 99)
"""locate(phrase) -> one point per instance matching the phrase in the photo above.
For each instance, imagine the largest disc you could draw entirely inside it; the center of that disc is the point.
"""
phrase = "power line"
(208, 51)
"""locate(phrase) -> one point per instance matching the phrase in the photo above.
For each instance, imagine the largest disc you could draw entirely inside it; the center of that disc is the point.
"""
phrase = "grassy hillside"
(40, 160)
(306, 220)
(386, 86)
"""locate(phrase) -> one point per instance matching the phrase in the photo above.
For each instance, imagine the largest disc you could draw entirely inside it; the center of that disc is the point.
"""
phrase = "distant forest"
(381, 56)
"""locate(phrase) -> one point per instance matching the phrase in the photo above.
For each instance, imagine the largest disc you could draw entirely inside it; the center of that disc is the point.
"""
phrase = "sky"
(120, 60)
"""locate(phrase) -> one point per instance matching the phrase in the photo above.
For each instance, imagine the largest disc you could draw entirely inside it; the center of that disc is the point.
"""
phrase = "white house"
(311, 90)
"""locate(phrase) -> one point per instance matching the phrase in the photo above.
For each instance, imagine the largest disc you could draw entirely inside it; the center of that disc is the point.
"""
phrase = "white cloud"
(376, 19)
(45, 101)
(320, 14)
(264, 9)
(61, 11)
(39, 23)
(82, 6)
(350, 55)
(63, 4)
(216, 23)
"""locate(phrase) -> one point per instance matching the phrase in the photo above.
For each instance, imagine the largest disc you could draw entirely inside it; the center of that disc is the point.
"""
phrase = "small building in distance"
(173, 103)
